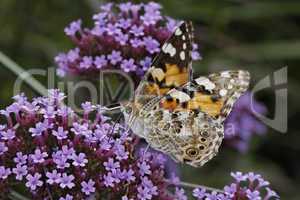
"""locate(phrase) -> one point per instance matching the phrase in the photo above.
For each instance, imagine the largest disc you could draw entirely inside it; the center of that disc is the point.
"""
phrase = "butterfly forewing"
(171, 67)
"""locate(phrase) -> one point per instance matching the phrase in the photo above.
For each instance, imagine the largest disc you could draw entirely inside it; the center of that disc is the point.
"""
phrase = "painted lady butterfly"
(179, 115)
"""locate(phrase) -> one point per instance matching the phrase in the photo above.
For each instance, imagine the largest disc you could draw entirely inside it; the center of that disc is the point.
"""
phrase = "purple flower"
(252, 177)
(86, 63)
(4, 172)
(53, 177)
(67, 152)
(144, 193)
(88, 187)
(20, 158)
(107, 7)
(128, 65)
(144, 168)
(147, 183)
(39, 129)
(146, 63)
(79, 160)
(180, 194)
(20, 171)
(199, 193)
(151, 18)
(238, 176)
(137, 30)
(60, 134)
(109, 180)
(73, 28)
(135, 42)
(39, 156)
(3, 148)
(270, 194)
(34, 181)
(60, 160)
(79, 129)
(231, 189)
(9, 134)
(151, 45)
(98, 30)
(66, 181)
(126, 28)
(124, 23)
(87, 107)
(100, 61)
(112, 29)
(253, 195)
(122, 38)
(121, 153)
(110, 165)
(212, 196)
(129, 175)
(125, 7)
(100, 19)
(73, 55)
(67, 197)
(115, 57)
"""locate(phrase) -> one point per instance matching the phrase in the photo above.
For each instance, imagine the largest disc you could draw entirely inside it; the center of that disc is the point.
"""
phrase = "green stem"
(13, 195)
(22, 74)
(192, 185)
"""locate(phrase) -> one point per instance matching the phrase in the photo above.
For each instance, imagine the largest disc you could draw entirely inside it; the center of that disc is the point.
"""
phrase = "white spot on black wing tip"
(178, 32)
(182, 55)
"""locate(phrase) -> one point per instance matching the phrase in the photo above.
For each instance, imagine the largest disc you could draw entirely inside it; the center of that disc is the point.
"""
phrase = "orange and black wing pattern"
(171, 68)
(213, 95)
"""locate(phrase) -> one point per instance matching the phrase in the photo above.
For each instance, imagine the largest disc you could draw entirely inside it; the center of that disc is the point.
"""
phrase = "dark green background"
(260, 36)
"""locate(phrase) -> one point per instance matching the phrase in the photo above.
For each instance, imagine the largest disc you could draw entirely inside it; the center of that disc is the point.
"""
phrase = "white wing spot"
(158, 73)
(223, 92)
(168, 48)
(225, 74)
(205, 82)
(182, 55)
(184, 46)
(183, 37)
(178, 32)
(181, 96)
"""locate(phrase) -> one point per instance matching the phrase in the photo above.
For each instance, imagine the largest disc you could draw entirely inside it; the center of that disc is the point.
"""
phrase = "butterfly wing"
(194, 116)
(213, 95)
(171, 68)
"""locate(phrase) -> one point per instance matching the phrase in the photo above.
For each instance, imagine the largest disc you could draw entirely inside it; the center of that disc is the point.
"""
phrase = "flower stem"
(16, 196)
(192, 185)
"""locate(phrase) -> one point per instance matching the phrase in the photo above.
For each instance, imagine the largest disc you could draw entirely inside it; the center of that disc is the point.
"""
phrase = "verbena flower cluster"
(241, 125)
(125, 36)
(47, 148)
(246, 186)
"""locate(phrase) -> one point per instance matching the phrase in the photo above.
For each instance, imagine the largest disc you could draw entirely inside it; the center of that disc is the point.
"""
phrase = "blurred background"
(259, 36)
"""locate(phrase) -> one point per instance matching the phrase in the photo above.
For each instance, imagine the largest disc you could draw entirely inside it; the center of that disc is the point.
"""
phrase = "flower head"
(122, 37)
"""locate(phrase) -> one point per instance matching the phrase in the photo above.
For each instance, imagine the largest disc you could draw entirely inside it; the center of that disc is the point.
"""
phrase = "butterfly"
(176, 114)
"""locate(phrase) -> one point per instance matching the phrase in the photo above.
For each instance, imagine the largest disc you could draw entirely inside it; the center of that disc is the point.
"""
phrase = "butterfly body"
(178, 115)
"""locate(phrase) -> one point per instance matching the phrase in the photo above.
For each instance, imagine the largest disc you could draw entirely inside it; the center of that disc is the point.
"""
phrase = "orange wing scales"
(201, 102)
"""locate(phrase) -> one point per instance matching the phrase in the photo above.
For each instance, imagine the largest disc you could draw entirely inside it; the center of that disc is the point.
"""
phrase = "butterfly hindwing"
(171, 67)
(213, 95)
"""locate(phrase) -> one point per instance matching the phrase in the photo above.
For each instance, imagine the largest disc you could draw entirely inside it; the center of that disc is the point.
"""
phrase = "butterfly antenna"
(145, 151)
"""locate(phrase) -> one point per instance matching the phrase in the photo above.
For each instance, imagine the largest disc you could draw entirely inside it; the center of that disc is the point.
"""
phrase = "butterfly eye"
(192, 152)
